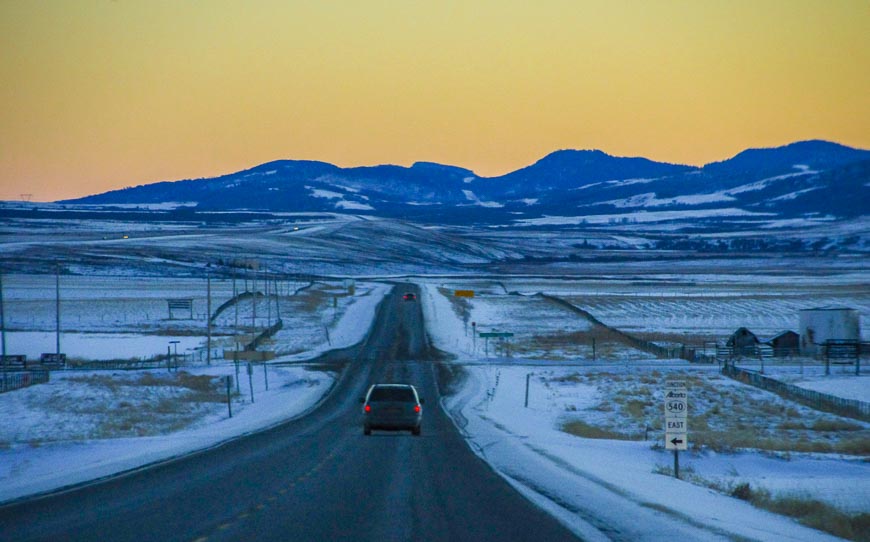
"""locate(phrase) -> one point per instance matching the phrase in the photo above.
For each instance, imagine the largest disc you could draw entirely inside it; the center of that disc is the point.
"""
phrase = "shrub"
(634, 408)
(583, 429)
(835, 425)
(742, 491)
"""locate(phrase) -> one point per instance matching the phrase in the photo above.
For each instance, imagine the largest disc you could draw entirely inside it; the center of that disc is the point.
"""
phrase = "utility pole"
(3, 333)
(208, 319)
(254, 302)
(268, 298)
(57, 307)
(277, 300)
(175, 353)
(236, 307)
(2, 319)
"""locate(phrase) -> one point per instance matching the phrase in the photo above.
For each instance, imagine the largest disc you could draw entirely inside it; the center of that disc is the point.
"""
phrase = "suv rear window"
(405, 395)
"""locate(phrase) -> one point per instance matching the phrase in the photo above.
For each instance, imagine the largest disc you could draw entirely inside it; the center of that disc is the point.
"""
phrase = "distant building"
(827, 323)
(786, 343)
(743, 342)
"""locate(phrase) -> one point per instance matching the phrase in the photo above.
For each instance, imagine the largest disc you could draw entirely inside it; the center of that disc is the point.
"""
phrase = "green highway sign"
(495, 334)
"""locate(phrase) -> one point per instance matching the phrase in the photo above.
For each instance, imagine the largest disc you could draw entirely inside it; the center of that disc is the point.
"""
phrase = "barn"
(784, 344)
(743, 342)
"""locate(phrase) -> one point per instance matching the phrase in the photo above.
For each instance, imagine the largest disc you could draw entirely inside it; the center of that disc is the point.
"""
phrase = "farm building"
(784, 344)
(743, 342)
(829, 323)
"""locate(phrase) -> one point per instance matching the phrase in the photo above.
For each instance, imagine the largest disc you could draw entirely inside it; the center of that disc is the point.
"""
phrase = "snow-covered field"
(84, 425)
(585, 480)
(124, 317)
(623, 480)
(668, 309)
(95, 423)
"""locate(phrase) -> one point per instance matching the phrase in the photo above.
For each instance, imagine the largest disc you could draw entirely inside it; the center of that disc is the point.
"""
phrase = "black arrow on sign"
(676, 441)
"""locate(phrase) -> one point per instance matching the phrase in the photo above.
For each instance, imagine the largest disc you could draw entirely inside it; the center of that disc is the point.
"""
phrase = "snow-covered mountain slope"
(811, 179)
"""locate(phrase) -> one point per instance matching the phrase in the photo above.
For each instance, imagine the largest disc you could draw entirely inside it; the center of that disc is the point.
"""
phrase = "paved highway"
(315, 478)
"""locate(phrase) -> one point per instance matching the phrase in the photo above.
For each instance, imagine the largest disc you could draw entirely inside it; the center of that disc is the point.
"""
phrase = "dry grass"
(310, 300)
(582, 429)
(810, 512)
(722, 416)
(138, 405)
(570, 344)
(461, 305)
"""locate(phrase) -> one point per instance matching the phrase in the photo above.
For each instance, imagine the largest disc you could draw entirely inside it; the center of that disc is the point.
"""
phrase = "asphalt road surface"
(315, 478)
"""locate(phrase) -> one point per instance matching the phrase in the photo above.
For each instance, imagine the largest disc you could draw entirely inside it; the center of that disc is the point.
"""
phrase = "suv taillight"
(368, 408)
(416, 408)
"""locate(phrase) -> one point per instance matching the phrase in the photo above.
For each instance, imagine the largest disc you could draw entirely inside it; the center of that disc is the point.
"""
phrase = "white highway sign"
(676, 415)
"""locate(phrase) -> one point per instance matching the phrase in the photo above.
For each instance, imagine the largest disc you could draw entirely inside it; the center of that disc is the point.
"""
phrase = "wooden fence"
(13, 380)
(820, 401)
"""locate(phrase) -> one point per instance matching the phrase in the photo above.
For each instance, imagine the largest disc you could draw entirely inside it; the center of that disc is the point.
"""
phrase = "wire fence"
(649, 347)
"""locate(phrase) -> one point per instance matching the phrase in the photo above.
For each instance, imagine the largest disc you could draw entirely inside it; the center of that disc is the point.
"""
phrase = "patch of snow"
(27, 468)
(353, 205)
(639, 217)
(164, 206)
(649, 199)
(848, 387)
(793, 195)
(350, 189)
(327, 194)
(96, 346)
(764, 183)
(470, 196)
(794, 223)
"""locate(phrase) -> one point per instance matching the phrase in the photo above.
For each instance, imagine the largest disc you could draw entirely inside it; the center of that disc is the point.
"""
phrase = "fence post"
(266, 375)
(251, 379)
(229, 401)
(528, 375)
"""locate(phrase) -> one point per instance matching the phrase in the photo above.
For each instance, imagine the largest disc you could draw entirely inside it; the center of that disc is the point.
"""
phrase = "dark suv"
(394, 407)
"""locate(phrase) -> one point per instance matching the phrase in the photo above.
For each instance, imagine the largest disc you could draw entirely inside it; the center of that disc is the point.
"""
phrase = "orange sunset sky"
(100, 94)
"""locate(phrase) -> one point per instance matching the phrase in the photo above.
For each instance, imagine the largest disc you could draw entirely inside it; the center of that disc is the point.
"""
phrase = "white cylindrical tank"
(823, 324)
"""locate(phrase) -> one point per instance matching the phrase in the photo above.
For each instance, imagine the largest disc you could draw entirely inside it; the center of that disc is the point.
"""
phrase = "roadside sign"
(463, 293)
(492, 334)
(676, 415)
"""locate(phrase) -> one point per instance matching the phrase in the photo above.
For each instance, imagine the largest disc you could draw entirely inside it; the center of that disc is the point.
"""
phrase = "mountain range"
(809, 180)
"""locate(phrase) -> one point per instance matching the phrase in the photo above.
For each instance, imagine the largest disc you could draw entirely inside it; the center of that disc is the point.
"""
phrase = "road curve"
(315, 478)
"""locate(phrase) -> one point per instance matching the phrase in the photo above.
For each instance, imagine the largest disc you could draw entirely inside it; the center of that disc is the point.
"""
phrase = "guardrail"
(852, 408)
(21, 379)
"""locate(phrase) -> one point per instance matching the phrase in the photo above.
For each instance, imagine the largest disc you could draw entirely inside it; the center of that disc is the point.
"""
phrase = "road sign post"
(676, 414)
(492, 335)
